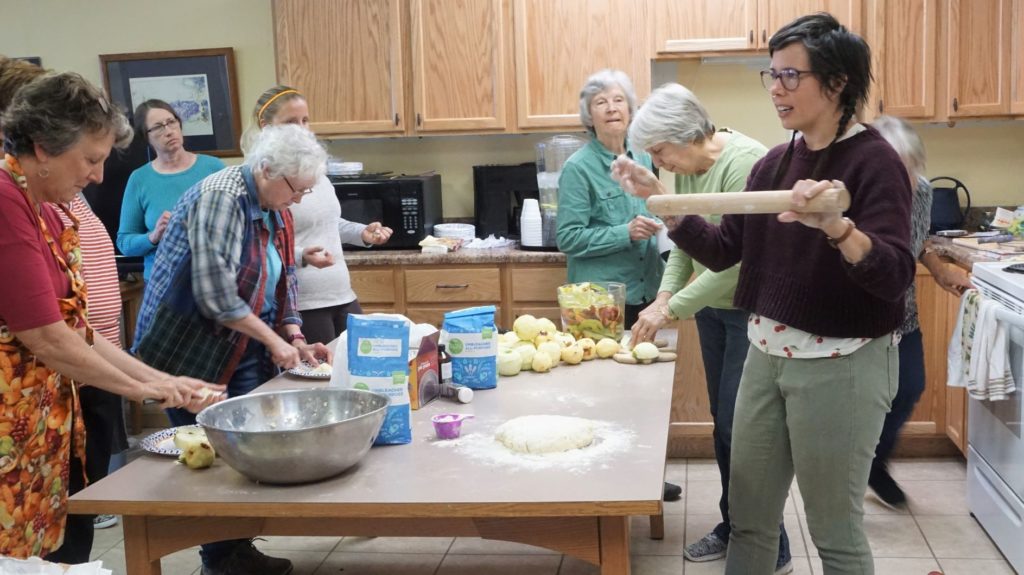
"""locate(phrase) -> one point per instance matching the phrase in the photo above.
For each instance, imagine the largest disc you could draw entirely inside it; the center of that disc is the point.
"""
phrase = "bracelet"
(834, 242)
(295, 336)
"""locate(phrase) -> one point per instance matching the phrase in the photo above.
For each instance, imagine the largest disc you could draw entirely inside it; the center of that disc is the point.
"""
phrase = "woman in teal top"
(607, 234)
(154, 188)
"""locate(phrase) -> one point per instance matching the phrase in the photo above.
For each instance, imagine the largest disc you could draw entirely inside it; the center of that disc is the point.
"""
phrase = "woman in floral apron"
(57, 133)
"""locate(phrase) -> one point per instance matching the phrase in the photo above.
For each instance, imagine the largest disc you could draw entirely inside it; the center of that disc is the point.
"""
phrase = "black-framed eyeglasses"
(158, 129)
(305, 192)
(790, 77)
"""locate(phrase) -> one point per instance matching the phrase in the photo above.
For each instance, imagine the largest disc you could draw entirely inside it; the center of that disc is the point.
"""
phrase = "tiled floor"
(936, 533)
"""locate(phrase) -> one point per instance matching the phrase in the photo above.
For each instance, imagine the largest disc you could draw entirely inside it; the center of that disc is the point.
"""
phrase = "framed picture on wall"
(199, 84)
(31, 60)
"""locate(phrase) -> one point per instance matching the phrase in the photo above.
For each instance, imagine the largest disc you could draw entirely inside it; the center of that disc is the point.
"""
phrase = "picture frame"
(31, 60)
(200, 85)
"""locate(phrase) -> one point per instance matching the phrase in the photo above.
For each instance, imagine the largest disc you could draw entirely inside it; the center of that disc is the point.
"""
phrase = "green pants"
(819, 418)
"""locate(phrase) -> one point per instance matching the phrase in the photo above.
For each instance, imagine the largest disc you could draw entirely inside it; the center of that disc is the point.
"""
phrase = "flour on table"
(545, 433)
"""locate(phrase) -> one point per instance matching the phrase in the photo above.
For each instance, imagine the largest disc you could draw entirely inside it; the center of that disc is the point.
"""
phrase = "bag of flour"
(378, 360)
(472, 341)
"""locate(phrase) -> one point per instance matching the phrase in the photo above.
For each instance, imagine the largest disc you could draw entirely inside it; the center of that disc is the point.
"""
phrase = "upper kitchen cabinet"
(559, 44)
(978, 58)
(903, 45)
(346, 57)
(1017, 60)
(709, 26)
(459, 53)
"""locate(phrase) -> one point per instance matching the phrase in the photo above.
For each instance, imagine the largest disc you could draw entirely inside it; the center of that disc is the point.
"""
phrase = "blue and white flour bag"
(472, 341)
(378, 360)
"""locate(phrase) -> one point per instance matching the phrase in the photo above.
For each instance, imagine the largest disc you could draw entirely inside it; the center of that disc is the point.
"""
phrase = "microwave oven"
(409, 205)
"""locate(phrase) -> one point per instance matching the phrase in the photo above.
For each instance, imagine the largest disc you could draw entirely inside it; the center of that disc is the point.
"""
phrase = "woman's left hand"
(314, 353)
(952, 279)
(804, 190)
(376, 234)
(317, 257)
(651, 319)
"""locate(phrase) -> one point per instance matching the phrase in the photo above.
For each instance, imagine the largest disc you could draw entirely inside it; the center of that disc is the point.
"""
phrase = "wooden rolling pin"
(774, 202)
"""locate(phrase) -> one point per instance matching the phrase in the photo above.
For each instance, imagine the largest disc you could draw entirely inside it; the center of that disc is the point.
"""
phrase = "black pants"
(104, 428)
(322, 325)
(910, 389)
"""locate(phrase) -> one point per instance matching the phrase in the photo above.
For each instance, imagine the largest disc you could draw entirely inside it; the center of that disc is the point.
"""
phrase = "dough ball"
(545, 433)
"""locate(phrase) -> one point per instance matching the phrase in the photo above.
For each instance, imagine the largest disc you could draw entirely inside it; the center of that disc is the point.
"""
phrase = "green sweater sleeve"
(678, 270)
(706, 289)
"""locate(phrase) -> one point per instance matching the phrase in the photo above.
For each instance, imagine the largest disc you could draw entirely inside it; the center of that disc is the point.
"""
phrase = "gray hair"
(599, 82)
(289, 151)
(902, 137)
(671, 114)
(55, 110)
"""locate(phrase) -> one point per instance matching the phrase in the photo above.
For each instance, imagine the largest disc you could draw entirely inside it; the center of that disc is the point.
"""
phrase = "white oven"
(995, 457)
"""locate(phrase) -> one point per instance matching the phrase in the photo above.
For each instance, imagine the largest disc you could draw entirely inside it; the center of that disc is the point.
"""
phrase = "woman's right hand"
(642, 228)
(635, 179)
(284, 354)
(318, 257)
(186, 392)
(161, 226)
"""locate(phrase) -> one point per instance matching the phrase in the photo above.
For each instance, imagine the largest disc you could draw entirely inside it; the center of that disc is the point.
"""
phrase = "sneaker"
(248, 560)
(709, 548)
(672, 492)
(885, 487)
(782, 567)
(104, 521)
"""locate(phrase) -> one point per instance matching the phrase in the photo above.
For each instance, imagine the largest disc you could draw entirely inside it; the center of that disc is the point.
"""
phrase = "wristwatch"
(850, 226)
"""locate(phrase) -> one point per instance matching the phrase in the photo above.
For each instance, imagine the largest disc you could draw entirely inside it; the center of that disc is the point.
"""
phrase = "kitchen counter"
(460, 257)
(961, 256)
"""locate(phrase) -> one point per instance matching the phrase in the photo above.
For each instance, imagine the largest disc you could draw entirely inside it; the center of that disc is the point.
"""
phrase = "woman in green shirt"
(607, 234)
(676, 130)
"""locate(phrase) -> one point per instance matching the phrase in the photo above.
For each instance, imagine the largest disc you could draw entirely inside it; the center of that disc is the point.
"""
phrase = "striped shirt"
(98, 270)
(217, 228)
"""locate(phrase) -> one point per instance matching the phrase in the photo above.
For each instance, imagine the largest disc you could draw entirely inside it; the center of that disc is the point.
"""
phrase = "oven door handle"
(1010, 317)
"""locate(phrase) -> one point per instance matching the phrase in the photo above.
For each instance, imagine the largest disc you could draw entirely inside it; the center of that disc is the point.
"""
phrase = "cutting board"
(1014, 248)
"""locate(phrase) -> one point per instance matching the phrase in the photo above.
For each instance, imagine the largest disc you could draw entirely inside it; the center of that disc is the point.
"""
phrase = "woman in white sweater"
(325, 289)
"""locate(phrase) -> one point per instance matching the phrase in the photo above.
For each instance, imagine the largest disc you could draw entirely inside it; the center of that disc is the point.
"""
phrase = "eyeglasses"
(790, 78)
(295, 192)
(158, 129)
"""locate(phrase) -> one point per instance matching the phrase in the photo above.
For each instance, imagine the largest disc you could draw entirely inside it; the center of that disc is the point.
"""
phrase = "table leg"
(136, 548)
(614, 545)
(658, 526)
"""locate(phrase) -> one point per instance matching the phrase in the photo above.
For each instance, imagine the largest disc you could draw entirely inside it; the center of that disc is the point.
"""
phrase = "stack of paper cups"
(530, 223)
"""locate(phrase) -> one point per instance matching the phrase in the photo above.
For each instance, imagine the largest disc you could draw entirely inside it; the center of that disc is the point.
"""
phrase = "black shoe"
(885, 487)
(672, 492)
(248, 560)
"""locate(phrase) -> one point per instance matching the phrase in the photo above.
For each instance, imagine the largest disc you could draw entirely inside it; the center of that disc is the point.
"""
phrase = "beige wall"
(71, 35)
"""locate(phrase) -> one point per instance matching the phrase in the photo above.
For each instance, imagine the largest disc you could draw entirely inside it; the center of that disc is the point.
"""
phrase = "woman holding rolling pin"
(825, 292)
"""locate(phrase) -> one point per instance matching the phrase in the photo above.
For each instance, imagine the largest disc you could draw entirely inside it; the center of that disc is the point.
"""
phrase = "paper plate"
(306, 370)
(162, 442)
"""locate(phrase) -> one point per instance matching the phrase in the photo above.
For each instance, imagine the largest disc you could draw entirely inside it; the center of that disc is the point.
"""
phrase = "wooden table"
(425, 488)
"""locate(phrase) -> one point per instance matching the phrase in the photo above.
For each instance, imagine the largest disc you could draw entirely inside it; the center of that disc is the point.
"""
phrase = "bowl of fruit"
(593, 309)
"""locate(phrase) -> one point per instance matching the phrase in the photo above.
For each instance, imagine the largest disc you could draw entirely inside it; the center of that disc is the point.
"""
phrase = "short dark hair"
(139, 117)
(839, 59)
(55, 110)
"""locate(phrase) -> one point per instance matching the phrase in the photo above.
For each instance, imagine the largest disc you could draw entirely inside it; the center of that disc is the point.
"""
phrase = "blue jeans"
(253, 370)
(910, 390)
(723, 346)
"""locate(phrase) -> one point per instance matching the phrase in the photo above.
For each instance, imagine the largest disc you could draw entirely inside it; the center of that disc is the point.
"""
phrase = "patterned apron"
(39, 414)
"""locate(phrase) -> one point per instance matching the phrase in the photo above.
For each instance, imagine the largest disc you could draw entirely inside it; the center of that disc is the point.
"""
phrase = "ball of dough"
(545, 433)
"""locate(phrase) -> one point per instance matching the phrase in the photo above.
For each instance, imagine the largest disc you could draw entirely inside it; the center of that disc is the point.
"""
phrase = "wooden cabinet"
(1017, 59)
(978, 68)
(937, 426)
(394, 66)
(903, 40)
(346, 56)
(682, 26)
(425, 292)
(559, 44)
(460, 52)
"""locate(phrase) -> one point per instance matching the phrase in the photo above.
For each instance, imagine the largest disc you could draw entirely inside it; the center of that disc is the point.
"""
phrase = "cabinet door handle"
(764, 36)
(751, 36)
(881, 107)
(419, 119)
(451, 286)
(956, 105)
(396, 118)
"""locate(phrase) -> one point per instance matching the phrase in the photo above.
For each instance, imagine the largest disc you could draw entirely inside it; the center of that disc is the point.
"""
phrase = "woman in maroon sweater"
(825, 292)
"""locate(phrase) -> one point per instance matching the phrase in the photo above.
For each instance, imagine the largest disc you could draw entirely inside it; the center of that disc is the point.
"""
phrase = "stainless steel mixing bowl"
(294, 436)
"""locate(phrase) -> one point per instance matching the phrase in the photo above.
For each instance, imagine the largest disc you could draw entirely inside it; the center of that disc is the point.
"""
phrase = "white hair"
(902, 137)
(599, 82)
(287, 150)
(671, 114)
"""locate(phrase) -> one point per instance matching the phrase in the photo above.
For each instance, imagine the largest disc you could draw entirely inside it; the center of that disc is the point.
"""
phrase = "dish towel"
(978, 355)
